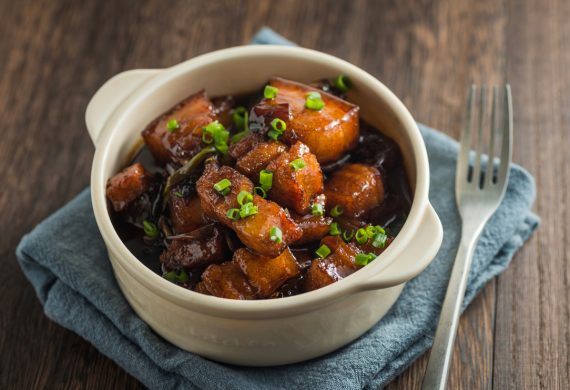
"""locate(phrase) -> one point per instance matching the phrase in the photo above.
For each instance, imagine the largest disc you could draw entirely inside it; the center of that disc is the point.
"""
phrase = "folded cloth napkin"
(65, 259)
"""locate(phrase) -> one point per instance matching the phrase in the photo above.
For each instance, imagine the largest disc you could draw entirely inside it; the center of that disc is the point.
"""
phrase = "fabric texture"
(65, 259)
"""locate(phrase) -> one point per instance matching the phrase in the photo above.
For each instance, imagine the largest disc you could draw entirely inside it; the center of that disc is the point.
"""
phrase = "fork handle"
(440, 356)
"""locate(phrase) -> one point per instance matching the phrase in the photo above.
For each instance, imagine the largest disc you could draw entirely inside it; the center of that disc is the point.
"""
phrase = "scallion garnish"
(239, 117)
(364, 258)
(274, 135)
(361, 236)
(233, 214)
(224, 186)
(179, 194)
(278, 125)
(342, 83)
(217, 133)
(276, 235)
(150, 229)
(244, 197)
(313, 101)
(265, 179)
(247, 209)
(323, 251)
(172, 125)
(334, 229)
(260, 192)
(318, 209)
(370, 231)
(297, 164)
(347, 235)
(337, 210)
(379, 240)
(270, 92)
(177, 276)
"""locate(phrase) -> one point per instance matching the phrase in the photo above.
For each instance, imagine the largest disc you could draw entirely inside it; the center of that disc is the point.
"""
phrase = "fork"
(478, 193)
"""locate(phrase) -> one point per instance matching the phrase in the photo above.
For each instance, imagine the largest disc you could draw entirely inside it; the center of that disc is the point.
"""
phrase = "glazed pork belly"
(127, 185)
(338, 264)
(297, 178)
(330, 132)
(186, 212)
(253, 230)
(176, 136)
(199, 248)
(356, 188)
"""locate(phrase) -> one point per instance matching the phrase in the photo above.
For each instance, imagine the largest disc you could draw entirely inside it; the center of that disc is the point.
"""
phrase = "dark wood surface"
(55, 54)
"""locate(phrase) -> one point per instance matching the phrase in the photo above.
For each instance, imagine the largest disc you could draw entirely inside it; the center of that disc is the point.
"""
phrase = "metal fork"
(478, 193)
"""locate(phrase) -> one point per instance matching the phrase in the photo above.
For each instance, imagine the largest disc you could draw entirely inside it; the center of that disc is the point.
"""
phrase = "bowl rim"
(268, 308)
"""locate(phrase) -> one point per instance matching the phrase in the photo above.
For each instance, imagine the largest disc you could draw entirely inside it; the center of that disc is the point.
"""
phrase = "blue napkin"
(65, 259)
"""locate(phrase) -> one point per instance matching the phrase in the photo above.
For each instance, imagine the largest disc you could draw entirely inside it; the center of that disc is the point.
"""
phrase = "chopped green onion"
(318, 209)
(244, 197)
(217, 133)
(364, 258)
(239, 117)
(172, 125)
(314, 101)
(247, 209)
(176, 276)
(274, 135)
(276, 235)
(342, 83)
(370, 231)
(347, 235)
(242, 124)
(233, 214)
(278, 125)
(337, 210)
(380, 229)
(297, 164)
(260, 191)
(270, 92)
(265, 179)
(379, 240)
(323, 251)
(361, 236)
(334, 229)
(179, 194)
(223, 186)
(170, 276)
(150, 229)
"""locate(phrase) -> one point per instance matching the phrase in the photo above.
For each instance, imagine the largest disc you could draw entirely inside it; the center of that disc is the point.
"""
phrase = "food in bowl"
(262, 196)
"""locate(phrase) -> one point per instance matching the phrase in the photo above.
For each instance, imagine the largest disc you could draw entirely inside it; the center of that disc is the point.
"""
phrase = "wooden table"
(55, 54)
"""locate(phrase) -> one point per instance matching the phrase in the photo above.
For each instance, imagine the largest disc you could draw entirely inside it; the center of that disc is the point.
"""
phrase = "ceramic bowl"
(265, 332)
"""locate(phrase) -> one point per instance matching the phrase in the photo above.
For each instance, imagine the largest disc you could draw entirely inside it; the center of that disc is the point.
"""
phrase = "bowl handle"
(108, 97)
(413, 259)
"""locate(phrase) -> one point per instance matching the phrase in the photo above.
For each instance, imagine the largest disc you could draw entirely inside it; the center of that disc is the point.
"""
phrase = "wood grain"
(55, 54)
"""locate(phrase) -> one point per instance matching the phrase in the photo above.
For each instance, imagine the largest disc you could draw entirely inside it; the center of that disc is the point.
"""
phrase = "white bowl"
(265, 332)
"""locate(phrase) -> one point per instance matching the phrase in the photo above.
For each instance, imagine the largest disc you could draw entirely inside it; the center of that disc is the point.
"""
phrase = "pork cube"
(330, 132)
(258, 157)
(314, 227)
(337, 265)
(357, 188)
(176, 136)
(297, 178)
(266, 274)
(226, 281)
(186, 212)
(254, 230)
(214, 204)
(127, 185)
(200, 248)
(245, 145)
